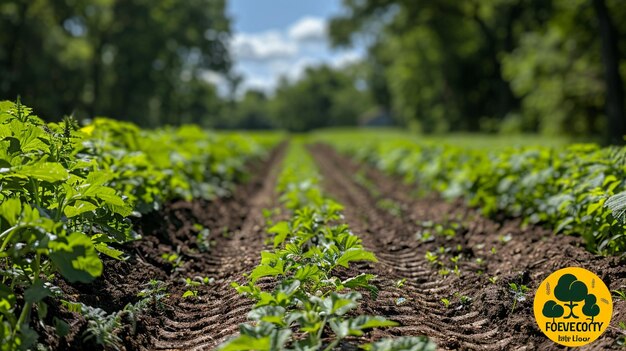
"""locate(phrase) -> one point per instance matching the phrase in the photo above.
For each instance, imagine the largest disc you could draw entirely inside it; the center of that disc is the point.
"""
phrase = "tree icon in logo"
(591, 309)
(569, 289)
(553, 310)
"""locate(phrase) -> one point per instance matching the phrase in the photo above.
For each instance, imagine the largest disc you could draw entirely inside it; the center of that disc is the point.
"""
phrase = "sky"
(274, 38)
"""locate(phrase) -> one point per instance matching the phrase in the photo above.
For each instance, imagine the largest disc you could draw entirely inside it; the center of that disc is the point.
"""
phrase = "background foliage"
(503, 66)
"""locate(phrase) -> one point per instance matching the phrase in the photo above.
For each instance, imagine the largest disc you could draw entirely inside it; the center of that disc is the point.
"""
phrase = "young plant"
(310, 307)
(620, 293)
(519, 294)
(445, 302)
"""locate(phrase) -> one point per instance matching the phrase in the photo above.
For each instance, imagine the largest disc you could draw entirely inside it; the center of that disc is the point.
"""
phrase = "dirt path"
(390, 222)
(205, 322)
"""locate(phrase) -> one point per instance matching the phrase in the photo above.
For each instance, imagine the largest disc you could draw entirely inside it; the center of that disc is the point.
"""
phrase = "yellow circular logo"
(573, 306)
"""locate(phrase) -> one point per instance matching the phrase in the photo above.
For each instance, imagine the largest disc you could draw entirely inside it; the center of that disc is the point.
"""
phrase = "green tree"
(553, 310)
(552, 66)
(323, 97)
(569, 289)
(131, 59)
(251, 112)
(442, 57)
(590, 308)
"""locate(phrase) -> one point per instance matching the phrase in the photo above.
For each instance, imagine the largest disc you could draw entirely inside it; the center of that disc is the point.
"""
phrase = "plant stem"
(332, 345)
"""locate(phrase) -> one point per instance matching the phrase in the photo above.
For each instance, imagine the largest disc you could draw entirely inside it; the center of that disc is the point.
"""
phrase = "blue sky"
(273, 38)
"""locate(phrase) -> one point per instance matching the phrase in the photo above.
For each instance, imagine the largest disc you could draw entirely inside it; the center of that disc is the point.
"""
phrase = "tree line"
(549, 66)
(503, 66)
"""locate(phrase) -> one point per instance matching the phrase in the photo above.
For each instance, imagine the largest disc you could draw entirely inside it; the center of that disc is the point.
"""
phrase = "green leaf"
(355, 254)
(594, 207)
(61, 327)
(270, 314)
(108, 195)
(36, 292)
(10, 210)
(362, 281)
(109, 251)
(247, 342)
(29, 136)
(188, 293)
(7, 299)
(308, 272)
(44, 171)
(78, 208)
(281, 231)
(337, 304)
(265, 270)
(76, 258)
(355, 326)
(617, 204)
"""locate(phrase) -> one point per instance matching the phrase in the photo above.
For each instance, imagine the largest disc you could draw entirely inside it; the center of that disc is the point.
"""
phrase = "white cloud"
(308, 29)
(263, 46)
(264, 57)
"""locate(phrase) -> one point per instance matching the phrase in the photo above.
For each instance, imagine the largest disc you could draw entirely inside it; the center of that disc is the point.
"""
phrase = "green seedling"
(191, 283)
(190, 294)
(203, 239)
(431, 257)
(620, 293)
(400, 283)
(519, 294)
(493, 279)
(424, 236)
(465, 300)
(445, 302)
(173, 258)
(309, 306)
(456, 271)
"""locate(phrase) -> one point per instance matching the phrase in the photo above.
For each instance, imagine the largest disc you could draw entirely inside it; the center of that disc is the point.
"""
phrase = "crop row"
(67, 196)
(304, 292)
(578, 189)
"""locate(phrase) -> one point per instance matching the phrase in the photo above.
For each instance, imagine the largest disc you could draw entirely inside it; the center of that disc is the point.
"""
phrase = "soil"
(391, 222)
(236, 227)
(505, 249)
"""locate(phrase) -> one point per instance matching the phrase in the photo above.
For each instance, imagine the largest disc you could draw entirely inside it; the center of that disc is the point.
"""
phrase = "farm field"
(119, 238)
(337, 175)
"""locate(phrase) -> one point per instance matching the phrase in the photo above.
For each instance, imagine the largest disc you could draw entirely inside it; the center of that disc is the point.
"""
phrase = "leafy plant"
(309, 306)
(578, 189)
(67, 195)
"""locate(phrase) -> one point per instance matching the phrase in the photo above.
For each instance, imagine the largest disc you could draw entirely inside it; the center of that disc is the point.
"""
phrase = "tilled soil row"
(503, 249)
(205, 322)
(236, 226)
